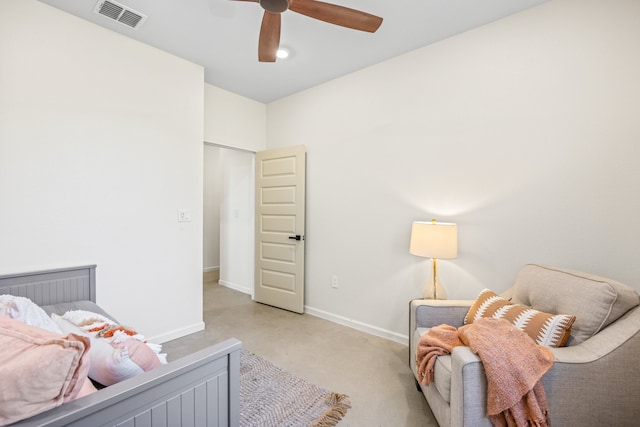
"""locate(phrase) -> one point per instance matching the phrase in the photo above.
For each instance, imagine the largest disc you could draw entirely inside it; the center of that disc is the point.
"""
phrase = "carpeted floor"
(272, 397)
(372, 371)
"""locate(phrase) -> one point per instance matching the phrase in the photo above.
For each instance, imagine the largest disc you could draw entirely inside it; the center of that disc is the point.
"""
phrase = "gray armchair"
(593, 380)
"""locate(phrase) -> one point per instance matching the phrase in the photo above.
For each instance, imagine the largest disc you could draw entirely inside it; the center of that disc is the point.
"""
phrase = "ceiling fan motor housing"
(275, 6)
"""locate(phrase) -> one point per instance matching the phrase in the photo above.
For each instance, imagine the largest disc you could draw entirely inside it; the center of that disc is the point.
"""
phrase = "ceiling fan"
(332, 13)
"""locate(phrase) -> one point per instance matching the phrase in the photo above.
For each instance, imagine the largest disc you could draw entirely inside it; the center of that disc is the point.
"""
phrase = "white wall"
(211, 211)
(100, 145)
(233, 121)
(525, 132)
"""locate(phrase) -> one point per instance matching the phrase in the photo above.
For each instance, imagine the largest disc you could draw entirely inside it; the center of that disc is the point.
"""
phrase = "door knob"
(296, 237)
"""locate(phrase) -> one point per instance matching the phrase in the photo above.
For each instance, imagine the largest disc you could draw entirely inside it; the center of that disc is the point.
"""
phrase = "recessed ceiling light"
(282, 53)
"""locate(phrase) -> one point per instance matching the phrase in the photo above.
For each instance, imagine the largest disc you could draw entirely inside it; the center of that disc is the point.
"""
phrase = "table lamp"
(435, 240)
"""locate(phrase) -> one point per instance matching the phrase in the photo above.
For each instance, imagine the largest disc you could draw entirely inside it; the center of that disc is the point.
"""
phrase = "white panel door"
(280, 210)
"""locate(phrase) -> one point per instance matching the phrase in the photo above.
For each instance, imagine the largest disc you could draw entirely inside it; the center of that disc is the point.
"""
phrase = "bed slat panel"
(159, 415)
(219, 395)
(173, 411)
(200, 405)
(52, 286)
(143, 419)
(187, 403)
(128, 423)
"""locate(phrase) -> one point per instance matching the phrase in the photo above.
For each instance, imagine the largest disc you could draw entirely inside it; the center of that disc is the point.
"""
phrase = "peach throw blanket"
(514, 365)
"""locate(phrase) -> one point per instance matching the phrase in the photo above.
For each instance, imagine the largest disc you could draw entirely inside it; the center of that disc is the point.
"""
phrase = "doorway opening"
(228, 216)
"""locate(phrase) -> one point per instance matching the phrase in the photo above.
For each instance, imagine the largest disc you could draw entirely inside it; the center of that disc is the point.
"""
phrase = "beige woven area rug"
(271, 397)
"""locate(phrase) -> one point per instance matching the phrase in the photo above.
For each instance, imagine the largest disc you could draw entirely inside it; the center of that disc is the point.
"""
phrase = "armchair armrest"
(468, 389)
(427, 313)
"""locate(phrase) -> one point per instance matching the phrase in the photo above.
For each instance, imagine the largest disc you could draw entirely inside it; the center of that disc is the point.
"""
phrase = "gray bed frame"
(201, 389)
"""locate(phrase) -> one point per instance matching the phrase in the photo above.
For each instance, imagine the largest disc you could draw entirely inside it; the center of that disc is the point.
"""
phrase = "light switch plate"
(184, 215)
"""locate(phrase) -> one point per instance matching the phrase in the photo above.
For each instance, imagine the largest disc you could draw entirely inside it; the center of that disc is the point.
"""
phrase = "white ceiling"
(222, 36)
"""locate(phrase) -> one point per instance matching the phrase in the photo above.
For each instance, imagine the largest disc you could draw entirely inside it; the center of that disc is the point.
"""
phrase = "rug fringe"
(338, 405)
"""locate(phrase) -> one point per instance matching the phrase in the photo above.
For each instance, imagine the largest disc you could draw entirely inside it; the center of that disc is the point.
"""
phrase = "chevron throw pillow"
(550, 330)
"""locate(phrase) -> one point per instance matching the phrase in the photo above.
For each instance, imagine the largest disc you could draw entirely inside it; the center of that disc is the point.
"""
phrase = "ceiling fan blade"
(338, 15)
(269, 37)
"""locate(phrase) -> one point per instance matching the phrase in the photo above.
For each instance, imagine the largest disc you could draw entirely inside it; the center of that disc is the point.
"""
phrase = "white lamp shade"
(434, 240)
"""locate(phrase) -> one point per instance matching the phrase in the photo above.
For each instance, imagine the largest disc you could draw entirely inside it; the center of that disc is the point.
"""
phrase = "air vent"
(120, 13)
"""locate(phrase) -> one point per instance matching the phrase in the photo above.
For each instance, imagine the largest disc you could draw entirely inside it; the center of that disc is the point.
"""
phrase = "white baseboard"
(354, 324)
(210, 269)
(177, 333)
(360, 326)
(236, 287)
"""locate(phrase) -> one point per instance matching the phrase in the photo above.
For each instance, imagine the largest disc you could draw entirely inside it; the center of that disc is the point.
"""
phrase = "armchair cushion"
(550, 330)
(595, 301)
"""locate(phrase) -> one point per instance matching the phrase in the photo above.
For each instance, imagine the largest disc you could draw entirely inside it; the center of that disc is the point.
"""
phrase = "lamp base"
(433, 290)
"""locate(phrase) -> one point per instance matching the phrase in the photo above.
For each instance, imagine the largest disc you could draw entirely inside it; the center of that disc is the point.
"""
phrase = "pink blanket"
(514, 365)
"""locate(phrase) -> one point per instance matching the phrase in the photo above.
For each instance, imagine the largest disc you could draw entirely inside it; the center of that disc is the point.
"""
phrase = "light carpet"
(272, 397)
